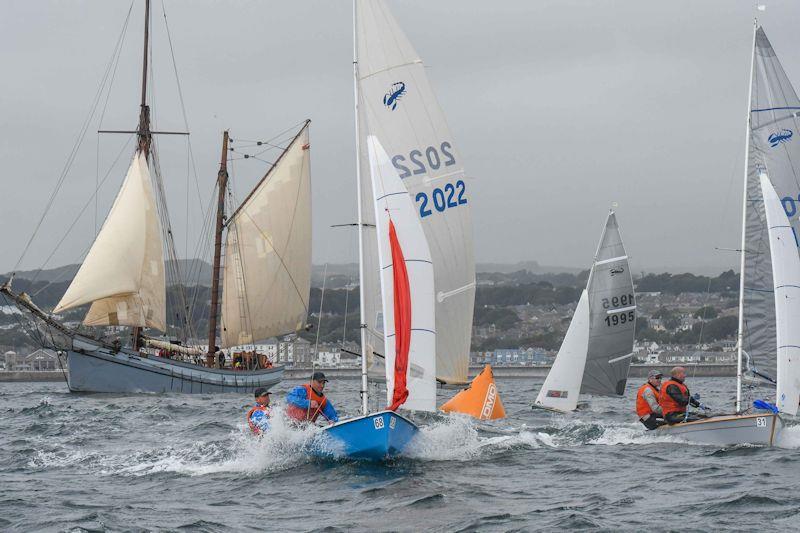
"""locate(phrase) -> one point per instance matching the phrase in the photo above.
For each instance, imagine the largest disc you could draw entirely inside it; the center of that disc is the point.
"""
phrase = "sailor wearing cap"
(647, 408)
(305, 403)
(258, 417)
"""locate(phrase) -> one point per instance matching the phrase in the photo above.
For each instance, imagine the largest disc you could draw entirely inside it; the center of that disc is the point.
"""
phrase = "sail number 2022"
(443, 198)
(423, 161)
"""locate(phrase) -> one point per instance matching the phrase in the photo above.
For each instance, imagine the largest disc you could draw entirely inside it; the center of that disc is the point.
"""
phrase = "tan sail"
(123, 273)
(267, 276)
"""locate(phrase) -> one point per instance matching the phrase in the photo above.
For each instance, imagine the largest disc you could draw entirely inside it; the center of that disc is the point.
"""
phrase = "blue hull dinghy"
(373, 437)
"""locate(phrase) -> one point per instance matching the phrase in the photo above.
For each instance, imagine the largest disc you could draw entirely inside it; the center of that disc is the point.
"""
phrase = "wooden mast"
(222, 184)
(143, 131)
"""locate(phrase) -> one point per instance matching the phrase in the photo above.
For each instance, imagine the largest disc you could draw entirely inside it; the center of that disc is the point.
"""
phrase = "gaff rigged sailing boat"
(769, 297)
(595, 355)
(122, 277)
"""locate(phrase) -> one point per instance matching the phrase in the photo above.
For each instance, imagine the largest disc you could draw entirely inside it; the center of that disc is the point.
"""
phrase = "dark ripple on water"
(111, 462)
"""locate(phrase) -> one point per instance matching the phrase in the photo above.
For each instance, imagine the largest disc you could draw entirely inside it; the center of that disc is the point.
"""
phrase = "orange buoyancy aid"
(642, 407)
(668, 405)
(258, 407)
(311, 413)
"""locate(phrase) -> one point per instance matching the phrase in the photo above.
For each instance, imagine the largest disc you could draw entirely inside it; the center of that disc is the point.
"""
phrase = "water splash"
(789, 438)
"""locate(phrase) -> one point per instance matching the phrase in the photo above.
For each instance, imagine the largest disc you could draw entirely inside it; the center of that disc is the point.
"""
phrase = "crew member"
(305, 403)
(647, 408)
(258, 417)
(674, 398)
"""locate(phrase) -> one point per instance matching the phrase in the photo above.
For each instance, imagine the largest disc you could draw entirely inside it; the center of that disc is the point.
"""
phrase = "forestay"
(398, 107)
(392, 203)
(563, 383)
(123, 273)
(786, 280)
(774, 150)
(612, 313)
(267, 275)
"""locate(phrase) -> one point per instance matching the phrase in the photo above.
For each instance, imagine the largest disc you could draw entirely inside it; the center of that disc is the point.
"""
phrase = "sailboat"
(413, 212)
(397, 105)
(266, 284)
(595, 355)
(769, 301)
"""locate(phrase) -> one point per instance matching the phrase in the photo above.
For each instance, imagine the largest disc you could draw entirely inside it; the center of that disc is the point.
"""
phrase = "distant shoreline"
(500, 372)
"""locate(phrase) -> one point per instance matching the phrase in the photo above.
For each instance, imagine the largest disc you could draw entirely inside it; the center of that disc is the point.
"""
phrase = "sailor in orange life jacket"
(259, 415)
(647, 408)
(674, 398)
(305, 403)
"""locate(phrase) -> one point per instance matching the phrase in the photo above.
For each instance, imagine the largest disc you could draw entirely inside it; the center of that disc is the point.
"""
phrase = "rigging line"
(319, 318)
(83, 210)
(203, 243)
(291, 128)
(73, 153)
(59, 278)
(183, 104)
(103, 113)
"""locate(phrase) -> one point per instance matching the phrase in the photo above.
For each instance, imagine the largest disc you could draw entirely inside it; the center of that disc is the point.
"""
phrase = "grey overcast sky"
(559, 108)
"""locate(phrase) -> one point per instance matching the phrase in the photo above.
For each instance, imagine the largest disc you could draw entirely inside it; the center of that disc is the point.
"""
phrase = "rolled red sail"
(402, 320)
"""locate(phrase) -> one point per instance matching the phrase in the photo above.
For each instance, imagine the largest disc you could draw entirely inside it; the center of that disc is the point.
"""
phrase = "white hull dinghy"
(729, 430)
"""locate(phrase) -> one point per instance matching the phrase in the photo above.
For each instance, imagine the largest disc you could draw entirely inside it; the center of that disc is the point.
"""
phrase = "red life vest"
(668, 405)
(311, 413)
(258, 407)
(642, 407)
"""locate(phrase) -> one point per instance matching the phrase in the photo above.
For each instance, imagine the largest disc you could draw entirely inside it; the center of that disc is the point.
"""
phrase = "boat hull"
(373, 437)
(757, 429)
(94, 368)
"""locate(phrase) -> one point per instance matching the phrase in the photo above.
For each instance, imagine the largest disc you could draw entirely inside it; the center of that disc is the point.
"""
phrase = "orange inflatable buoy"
(480, 400)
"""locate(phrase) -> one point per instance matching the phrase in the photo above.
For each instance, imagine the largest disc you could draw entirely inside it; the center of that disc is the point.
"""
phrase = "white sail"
(397, 105)
(267, 275)
(123, 273)
(774, 128)
(786, 283)
(563, 383)
(391, 202)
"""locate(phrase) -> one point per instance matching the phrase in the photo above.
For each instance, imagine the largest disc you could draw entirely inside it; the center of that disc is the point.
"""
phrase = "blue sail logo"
(396, 92)
(782, 136)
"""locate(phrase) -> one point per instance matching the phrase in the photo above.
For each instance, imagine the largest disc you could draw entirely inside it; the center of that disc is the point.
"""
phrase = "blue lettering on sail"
(391, 98)
(790, 208)
(782, 136)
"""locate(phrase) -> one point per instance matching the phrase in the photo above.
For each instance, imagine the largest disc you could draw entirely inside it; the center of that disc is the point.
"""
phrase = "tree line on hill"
(492, 305)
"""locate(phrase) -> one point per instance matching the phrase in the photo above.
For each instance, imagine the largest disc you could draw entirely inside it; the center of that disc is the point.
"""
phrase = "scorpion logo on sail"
(782, 136)
(391, 98)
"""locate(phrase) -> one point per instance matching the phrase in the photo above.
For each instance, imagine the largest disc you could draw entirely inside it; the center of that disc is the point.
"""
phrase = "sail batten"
(267, 275)
(122, 276)
(399, 108)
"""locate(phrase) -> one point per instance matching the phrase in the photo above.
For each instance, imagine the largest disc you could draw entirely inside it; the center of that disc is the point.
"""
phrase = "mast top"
(144, 113)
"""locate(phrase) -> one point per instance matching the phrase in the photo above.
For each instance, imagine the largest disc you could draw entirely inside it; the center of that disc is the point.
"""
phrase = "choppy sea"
(71, 462)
